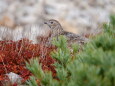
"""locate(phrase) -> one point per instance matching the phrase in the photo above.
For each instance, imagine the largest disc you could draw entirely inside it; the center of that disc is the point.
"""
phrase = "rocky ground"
(78, 16)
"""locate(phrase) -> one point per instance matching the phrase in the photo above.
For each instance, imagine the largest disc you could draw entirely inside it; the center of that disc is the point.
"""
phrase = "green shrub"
(94, 66)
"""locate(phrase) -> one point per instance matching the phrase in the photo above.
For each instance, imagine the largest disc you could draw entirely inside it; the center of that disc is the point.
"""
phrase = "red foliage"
(13, 56)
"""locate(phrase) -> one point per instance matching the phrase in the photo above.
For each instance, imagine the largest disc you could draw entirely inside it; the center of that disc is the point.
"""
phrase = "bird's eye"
(51, 22)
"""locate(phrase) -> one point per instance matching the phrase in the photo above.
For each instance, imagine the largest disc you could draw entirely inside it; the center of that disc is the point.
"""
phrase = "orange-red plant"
(14, 54)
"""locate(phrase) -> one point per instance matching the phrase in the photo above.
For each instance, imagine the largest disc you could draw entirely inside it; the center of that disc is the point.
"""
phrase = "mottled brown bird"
(57, 30)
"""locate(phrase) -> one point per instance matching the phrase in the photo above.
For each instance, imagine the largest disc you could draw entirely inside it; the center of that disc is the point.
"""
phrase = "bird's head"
(53, 24)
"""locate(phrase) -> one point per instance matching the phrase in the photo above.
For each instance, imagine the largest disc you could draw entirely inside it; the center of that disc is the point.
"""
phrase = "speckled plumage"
(56, 30)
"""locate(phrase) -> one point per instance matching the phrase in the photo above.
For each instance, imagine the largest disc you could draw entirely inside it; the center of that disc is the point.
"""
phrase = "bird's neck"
(57, 30)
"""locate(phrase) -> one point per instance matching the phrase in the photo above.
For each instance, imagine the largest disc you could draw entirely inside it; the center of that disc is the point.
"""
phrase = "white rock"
(14, 78)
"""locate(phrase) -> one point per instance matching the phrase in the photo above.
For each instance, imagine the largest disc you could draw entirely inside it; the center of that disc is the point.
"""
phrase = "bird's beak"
(46, 22)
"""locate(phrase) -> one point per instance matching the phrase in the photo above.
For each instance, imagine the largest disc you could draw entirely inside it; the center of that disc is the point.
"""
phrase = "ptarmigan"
(57, 30)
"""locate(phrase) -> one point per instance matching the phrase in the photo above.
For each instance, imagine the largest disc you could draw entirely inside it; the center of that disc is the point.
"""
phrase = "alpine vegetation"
(94, 65)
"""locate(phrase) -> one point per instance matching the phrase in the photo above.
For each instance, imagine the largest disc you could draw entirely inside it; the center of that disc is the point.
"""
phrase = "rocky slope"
(79, 16)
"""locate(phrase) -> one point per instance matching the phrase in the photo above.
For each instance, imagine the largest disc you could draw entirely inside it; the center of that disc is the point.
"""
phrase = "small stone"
(14, 78)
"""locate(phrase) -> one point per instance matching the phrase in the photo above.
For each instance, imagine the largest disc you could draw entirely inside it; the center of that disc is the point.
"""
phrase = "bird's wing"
(72, 37)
